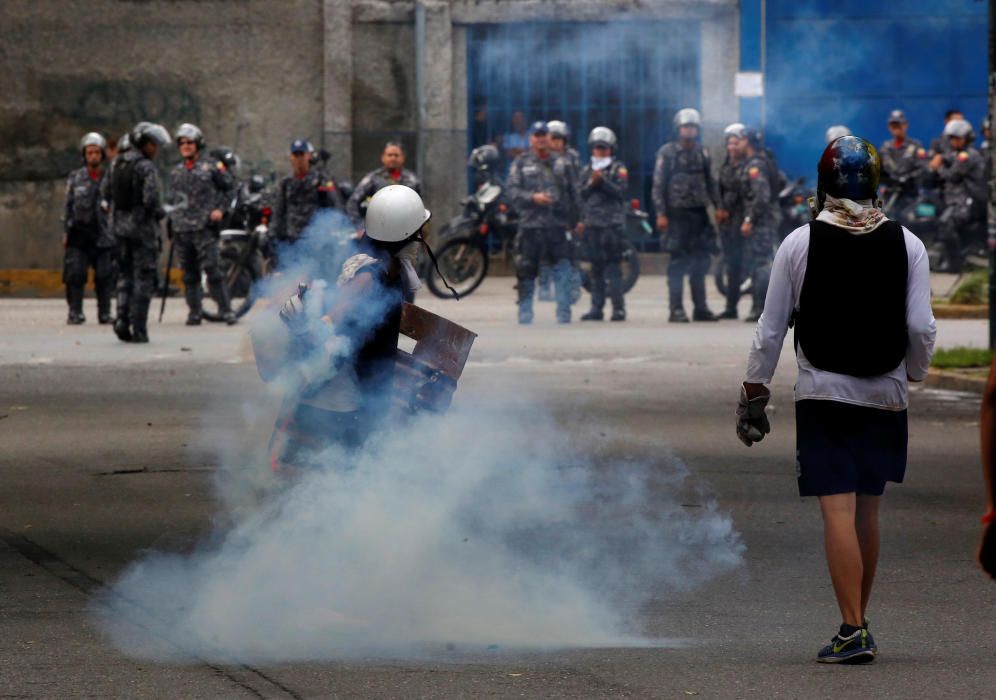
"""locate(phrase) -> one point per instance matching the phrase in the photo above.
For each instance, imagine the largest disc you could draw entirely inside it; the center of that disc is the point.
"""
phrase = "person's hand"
(543, 199)
(746, 228)
(987, 550)
(596, 177)
(752, 422)
(292, 312)
(216, 215)
(937, 161)
(722, 216)
(661, 223)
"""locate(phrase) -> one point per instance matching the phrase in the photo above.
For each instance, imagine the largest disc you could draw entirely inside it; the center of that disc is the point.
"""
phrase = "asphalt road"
(103, 457)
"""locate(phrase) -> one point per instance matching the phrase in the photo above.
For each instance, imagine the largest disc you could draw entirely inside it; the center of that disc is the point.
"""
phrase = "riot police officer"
(87, 241)
(759, 224)
(903, 160)
(538, 187)
(204, 182)
(603, 189)
(941, 144)
(729, 215)
(963, 187)
(391, 172)
(560, 134)
(302, 193)
(682, 189)
(137, 211)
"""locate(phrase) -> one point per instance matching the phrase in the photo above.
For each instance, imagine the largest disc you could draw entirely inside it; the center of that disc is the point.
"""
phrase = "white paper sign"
(749, 84)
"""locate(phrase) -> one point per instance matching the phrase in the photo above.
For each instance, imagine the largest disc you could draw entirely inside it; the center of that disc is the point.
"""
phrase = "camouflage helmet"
(959, 128)
(687, 117)
(602, 136)
(93, 139)
(145, 132)
(849, 168)
(190, 132)
(559, 129)
(735, 130)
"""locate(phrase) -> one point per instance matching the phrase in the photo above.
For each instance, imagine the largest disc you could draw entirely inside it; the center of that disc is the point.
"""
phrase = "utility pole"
(991, 209)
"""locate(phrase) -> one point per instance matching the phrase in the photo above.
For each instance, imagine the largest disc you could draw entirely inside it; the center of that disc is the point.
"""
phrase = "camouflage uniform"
(89, 243)
(902, 168)
(604, 233)
(964, 191)
(682, 189)
(137, 213)
(372, 183)
(297, 199)
(206, 183)
(759, 247)
(542, 235)
(733, 242)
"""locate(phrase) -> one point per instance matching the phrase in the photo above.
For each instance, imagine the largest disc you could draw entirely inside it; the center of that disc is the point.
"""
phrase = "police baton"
(169, 264)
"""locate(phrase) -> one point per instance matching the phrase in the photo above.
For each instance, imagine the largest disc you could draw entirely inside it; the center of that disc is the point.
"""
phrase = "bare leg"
(866, 522)
(843, 553)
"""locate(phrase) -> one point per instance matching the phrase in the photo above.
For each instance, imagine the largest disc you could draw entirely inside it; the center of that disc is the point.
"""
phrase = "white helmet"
(735, 130)
(687, 117)
(836, 131)
(395, 213)
(559, 129)
(93, 139)
(192, 132)
(959, 128)
(602, 135)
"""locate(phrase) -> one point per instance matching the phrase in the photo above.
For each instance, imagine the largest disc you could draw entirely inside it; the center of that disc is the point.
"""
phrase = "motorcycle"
(637, 227)
(244, 247)
(793, 203)
(464, 244)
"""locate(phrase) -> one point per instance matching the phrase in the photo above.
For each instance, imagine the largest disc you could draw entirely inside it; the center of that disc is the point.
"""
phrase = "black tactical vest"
(852, 309)
(123, 188)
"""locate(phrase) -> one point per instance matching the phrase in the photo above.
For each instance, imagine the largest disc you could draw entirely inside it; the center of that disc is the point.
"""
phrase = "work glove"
(752, 423)
(292, 312)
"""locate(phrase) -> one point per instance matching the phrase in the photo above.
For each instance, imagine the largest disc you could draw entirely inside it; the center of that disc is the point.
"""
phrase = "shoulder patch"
(921, 153)
(754, 172)
(221, 166)
(623, 172)
(962, 156)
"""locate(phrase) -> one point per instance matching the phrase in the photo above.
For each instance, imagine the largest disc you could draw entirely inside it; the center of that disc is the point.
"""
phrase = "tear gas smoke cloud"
(489, 525)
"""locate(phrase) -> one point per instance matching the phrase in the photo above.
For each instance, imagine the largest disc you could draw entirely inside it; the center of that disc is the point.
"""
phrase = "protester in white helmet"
(344, 336)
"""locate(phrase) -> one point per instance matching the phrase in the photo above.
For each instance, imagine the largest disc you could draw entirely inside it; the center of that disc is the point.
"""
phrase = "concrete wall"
(255, 74)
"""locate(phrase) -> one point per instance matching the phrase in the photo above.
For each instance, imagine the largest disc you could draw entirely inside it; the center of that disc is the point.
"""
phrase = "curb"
(961, 311)
(954, 381)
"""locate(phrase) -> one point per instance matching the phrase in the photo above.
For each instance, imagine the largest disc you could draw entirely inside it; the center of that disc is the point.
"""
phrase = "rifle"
(169, 264)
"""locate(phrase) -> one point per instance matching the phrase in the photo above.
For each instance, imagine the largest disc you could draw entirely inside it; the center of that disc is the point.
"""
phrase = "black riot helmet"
(849, 168)
(484, 158)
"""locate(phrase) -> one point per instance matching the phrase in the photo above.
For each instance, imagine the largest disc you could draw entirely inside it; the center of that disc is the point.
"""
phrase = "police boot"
(104, 305)
(139, 319)
(593, 315)
(618, 314)
(730, 313)
(122, 330)
(678, 315)
(74, 296)
(704, 314)
(193, 294)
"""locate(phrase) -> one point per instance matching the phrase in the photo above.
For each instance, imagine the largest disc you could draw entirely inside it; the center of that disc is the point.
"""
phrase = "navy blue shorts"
(843, 448)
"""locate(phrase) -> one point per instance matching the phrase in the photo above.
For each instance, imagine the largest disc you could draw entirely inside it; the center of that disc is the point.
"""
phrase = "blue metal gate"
(852, 62)
(630, 76)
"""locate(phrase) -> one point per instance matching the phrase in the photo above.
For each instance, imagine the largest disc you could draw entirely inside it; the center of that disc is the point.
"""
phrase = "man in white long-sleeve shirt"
(856, 286)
